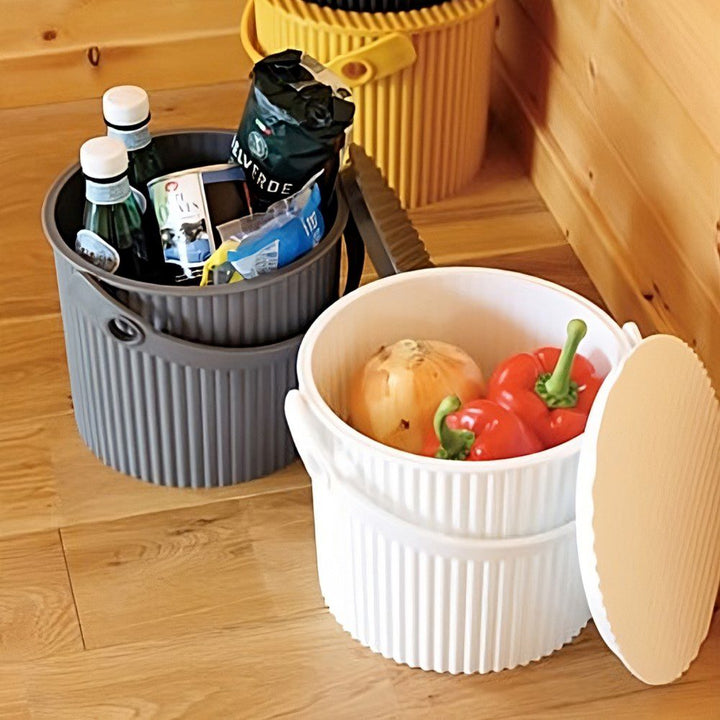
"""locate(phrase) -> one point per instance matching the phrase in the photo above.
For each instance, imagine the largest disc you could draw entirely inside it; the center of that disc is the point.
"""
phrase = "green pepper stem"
(454, 444)
(556, 389)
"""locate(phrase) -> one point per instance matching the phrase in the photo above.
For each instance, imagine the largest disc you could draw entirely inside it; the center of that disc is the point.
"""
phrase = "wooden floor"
(120, 600)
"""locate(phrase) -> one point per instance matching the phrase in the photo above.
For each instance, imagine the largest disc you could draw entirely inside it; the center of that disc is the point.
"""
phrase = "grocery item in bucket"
(478, 430)
(267, 241)
(112, 237)
(126, 112)
(217, 269)
(188, 206)
(395, 394)
(551, 390)
(534, 401)
(294, 125)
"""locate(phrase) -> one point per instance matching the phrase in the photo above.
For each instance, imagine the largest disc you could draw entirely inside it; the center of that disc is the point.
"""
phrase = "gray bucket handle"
(123, 326)
(377, 219)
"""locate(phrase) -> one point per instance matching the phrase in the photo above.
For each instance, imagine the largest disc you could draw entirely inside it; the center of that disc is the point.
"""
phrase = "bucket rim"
(372, 25)
(342, 431)
(60, 247)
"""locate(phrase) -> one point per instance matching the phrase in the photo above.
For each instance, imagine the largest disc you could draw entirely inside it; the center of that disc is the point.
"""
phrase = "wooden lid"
(648, 508)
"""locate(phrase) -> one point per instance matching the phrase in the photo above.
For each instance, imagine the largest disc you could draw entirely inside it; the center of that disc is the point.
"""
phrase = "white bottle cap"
(126, 106)
(103, 157)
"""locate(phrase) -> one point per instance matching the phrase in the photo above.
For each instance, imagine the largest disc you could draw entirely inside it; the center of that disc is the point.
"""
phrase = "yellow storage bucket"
(420, 82)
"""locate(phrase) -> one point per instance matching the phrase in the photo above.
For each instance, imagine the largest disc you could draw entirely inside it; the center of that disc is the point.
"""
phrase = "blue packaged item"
(270, 240)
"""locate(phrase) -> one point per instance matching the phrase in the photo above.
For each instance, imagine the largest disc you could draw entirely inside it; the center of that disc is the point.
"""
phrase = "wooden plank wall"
(59, 50)
(616, 107)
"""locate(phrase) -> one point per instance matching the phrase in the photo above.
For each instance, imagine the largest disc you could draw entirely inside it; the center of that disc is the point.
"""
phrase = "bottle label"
(97, 251)
(139, 199)
(133, 139)
(107, 193)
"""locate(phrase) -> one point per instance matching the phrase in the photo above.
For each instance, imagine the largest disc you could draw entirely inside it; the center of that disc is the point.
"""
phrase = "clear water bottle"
(112, 237)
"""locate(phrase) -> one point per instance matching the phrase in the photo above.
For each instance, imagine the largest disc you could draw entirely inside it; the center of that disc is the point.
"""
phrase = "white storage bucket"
(477, 566)
(491, 314)
(438, 602)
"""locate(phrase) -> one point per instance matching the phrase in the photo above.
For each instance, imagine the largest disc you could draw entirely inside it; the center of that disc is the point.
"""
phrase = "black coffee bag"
(293, 127)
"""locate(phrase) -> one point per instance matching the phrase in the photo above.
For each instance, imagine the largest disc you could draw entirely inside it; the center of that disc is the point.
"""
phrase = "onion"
(395, 395)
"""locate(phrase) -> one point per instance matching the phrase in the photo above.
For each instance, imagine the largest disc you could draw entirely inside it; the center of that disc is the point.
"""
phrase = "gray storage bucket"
(188, 414)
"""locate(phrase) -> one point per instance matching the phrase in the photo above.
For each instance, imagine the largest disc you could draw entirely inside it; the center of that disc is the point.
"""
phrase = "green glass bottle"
(112, 236)
(126, 112)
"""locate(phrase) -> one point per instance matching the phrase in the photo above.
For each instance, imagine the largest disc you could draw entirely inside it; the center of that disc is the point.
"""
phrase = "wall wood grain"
(593, 93)
(62, 50)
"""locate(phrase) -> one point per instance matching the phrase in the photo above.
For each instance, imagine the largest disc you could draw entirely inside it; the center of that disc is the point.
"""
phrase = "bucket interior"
(490, 314)
(179, 151)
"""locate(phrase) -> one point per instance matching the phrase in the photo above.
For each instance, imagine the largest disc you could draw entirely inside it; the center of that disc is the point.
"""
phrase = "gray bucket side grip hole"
(125, 330)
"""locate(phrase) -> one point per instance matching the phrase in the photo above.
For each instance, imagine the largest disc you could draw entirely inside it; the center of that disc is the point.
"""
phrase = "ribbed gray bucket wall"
(168, 411)
(259, 316)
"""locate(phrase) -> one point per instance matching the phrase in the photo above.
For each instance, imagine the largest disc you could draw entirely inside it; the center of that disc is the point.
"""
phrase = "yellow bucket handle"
(382, 57)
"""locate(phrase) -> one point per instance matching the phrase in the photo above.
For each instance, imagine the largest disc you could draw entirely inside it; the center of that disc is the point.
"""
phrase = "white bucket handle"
(632, 331)
(305, 433)
(305, 429)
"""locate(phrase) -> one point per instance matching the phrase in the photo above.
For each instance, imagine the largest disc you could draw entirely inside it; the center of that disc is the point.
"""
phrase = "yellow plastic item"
(373, 61)
(218, 258)
(420, 79)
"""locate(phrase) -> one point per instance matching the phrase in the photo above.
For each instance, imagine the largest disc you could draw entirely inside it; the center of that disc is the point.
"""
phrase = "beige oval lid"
(648, 508)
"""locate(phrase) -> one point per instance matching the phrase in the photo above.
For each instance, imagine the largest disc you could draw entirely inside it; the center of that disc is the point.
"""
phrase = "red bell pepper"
(550, 390)
(479, 430)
